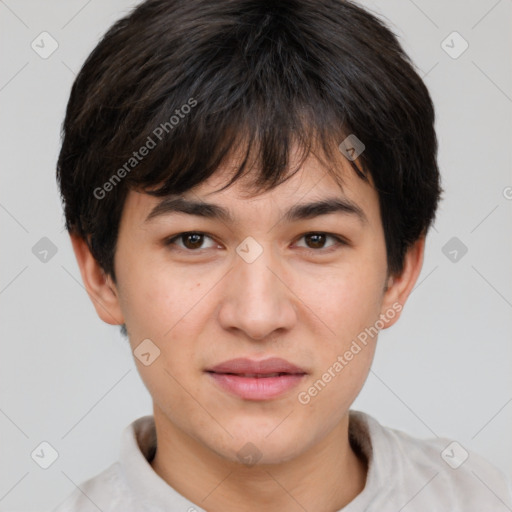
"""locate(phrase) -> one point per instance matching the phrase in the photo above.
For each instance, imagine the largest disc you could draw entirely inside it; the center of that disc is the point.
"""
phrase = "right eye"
(191, 241)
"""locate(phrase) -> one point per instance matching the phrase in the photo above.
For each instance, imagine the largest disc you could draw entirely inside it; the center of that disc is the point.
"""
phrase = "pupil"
(318, 242)
(197, 242)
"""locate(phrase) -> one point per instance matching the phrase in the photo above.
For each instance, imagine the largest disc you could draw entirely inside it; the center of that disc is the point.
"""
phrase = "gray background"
(444, 369)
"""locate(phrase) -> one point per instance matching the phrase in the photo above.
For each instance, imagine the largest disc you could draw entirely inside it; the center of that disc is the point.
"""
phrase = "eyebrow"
(304, 211)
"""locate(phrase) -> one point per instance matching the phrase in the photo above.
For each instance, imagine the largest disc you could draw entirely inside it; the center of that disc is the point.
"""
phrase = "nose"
(257, 298)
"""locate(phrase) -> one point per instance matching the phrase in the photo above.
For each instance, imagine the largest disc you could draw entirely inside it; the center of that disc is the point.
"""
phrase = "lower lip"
(251, 388)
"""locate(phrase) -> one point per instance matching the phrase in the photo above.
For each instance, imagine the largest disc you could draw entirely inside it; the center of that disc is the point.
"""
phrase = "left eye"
(319, 239)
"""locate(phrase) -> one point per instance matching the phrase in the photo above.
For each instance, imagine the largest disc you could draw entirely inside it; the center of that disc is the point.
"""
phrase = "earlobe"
(399, 287)
(100, 288)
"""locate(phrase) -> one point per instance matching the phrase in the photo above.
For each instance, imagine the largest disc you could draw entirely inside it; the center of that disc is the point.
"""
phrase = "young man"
(248, 186)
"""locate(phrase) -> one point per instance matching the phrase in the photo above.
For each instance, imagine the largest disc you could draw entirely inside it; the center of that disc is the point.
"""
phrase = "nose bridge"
(255, 300)
(253, 269)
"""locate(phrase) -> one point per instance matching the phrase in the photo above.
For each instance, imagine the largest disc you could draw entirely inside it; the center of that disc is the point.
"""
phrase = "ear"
(399, 287)
(100, 287)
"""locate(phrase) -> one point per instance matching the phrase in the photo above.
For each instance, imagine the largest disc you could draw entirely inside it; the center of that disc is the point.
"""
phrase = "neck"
(326, 477)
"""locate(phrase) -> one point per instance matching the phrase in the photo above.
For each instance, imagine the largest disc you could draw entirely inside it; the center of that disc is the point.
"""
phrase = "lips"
(272, 367)
(256, 380)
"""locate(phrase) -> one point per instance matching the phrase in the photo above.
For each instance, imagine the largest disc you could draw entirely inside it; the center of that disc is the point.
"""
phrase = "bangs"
(266, 142)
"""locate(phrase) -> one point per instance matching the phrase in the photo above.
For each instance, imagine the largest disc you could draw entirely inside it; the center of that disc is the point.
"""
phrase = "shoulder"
(105, 491)
(119, 487)
(437, 472)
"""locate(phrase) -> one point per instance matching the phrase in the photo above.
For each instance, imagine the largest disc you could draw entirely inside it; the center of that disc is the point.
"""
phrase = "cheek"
(158, 299)
(165, 306)
(346, 300)
(348, 304)
(171, 308)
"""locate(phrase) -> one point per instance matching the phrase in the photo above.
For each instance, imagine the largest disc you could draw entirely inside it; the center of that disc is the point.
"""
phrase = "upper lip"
(243, 365)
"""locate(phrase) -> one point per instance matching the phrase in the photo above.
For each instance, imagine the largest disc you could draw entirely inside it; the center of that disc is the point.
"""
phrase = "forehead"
(312, 183)
(311, 173)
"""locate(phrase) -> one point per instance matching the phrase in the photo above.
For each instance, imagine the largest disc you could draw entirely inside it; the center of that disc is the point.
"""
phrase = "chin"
(257, 447)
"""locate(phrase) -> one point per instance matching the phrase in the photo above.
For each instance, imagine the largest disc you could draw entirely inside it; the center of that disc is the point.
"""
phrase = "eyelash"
(339, 242)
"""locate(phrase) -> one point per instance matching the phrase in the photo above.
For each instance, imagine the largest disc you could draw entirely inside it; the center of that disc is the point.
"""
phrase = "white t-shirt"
(404, 474)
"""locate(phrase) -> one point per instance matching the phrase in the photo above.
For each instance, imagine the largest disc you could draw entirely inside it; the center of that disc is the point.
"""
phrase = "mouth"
(256, 380)
(256, 375)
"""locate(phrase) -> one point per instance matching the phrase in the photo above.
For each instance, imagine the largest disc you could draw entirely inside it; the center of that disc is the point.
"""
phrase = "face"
(309, 289)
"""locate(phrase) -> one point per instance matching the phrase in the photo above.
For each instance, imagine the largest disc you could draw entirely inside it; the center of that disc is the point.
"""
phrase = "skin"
(204, 307)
